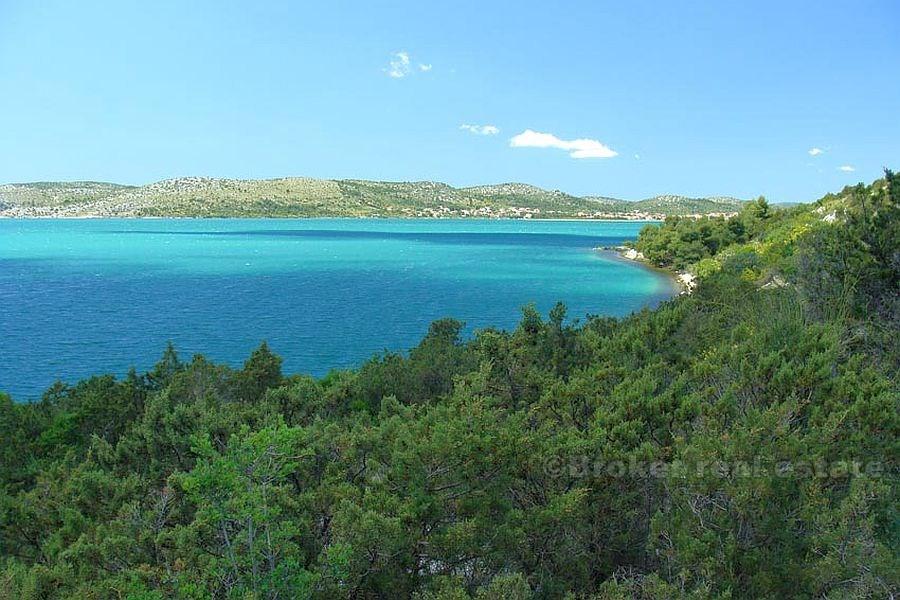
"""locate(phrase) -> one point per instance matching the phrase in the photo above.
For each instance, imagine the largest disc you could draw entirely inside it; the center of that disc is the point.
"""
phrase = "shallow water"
(82, 297)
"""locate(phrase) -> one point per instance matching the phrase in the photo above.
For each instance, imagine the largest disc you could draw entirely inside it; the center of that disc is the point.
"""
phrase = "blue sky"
(634, 98)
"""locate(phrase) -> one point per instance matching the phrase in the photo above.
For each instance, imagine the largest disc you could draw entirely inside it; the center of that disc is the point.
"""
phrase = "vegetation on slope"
(674, 205)
(683, 205)
(739, 442)
(684, 242)
(56, 195)
(304, 197)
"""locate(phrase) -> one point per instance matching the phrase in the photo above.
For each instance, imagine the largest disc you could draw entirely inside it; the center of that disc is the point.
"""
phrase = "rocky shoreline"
(685, 280)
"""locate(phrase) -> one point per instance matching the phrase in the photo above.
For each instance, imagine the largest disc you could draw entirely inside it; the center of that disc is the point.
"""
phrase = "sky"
(788, 99)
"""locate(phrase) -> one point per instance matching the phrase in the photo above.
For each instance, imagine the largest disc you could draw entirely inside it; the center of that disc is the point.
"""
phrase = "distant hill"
(58, 194)
(683, 205)
(306, 197)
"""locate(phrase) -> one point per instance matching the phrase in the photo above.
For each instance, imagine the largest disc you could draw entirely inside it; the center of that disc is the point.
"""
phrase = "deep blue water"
(83, 297)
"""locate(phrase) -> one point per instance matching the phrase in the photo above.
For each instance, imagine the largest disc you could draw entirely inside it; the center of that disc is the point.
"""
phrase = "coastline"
(683, 282)
(335, 217)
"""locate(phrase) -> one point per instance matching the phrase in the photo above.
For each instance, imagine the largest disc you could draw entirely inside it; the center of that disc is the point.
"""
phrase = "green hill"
(56, 196)
(305, 197)
(682, 205)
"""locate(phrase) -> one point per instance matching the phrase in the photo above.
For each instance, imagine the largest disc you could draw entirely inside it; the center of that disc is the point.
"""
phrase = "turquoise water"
(82, 297)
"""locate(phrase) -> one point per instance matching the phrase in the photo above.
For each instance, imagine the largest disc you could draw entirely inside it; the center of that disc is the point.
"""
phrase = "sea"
(81, 297)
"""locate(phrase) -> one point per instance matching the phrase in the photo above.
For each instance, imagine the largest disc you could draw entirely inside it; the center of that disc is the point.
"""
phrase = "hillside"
(682, 205)
(39, 197)
(737, 442)
(673, 205)
(305, 197)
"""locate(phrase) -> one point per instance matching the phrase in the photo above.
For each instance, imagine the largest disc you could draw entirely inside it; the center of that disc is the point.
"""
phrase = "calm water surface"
(82, 297)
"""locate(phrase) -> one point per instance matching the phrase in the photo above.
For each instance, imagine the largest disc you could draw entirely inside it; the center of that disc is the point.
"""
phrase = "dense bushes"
(738, 442)
(684, 241)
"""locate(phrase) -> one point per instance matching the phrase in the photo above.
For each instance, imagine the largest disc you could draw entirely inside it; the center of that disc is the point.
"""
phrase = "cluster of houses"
(520, 212)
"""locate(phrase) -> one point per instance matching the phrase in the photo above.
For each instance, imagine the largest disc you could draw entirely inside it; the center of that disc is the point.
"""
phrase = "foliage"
(682, 242)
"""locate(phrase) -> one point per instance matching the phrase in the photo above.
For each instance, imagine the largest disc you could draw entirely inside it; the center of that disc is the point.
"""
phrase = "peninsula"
(306, 197)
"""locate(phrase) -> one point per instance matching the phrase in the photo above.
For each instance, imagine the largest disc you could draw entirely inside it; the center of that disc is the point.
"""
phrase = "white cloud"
(480, 129)
(846, 168)
(401, 65)
(815, 151)
(578, 148)
(637, 157)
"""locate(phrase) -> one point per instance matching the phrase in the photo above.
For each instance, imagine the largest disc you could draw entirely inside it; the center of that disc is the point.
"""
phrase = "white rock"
(688, 280)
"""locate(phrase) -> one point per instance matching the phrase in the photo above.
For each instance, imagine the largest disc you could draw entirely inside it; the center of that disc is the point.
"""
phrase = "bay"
(85, 297)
